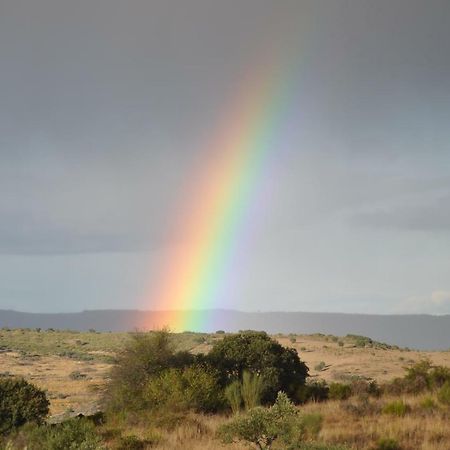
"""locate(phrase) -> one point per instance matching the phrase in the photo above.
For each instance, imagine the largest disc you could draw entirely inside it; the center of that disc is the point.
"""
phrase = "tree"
(146, 356)
(20, 402)
(263, 426)
(256, 352)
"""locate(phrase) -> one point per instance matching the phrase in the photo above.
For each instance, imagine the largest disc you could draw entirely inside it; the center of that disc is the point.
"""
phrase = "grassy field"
(73, 368)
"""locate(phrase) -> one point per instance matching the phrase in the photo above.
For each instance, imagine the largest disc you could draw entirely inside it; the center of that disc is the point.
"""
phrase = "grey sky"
(104, 106)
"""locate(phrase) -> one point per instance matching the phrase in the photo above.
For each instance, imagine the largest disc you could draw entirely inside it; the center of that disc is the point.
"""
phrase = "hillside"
(422, 332)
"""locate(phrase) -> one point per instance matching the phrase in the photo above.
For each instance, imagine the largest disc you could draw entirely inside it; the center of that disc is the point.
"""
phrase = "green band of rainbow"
(215, 212)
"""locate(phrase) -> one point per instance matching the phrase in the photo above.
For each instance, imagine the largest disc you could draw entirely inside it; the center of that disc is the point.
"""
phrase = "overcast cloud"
(105, 106)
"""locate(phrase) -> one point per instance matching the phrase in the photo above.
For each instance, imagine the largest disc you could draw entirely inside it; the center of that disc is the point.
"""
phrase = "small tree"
(20, 402)
(146, 356)
(263, 426)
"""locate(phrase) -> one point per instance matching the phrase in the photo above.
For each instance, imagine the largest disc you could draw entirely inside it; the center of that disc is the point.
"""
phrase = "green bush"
(145, 356)
(428, 404)
(183, 389)
(365, 388)
(73, 434)
(263, 426)
(130, 442)
(311, 424)
(315, 391)
(233, 396)
(339, 391)
(421, 377)
(319, 367)
(396, 408)
(444, 394)
(256, 352)
(387, 444)
(20, 402)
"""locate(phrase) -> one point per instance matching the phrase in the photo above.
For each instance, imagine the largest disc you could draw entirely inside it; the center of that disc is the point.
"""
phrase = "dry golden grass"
(52, 373)
(419, 429)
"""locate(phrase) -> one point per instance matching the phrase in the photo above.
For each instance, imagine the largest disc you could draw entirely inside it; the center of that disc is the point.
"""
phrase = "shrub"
(444, 394)
(311, 424)
(396, 408)
(256, 352)
(77, 375)
(339, 391)
(73, 434)
(130, 442)
(427, 404)
(439, 376)
(387, 444)
(364, 388)
(262, 426)
(234, 396)
(146, 356)
(20, 402)
(252, 387)
(183, 389)
(420, 377)
(319, 367)
(316, 391)
(362, 407)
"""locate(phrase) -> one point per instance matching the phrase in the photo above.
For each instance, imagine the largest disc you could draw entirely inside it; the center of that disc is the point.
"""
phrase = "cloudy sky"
(105, 106)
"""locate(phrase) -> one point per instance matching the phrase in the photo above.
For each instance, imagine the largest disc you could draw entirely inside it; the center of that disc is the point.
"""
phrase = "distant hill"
(424, 332)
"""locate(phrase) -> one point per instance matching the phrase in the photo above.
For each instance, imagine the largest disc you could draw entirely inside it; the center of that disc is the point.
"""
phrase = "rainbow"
(216, 208)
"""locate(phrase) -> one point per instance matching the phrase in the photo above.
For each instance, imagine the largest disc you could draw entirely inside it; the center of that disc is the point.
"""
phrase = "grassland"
(73, 368)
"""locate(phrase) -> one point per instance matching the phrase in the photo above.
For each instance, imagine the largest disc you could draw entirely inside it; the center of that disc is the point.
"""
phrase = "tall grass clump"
(252, 388)
(234, 396)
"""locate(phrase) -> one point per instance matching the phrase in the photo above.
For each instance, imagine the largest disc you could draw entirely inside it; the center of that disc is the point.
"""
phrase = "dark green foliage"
(146, 356)
(251, 388)
(396, 408)
(73, 434)
(339, 391)
(421, 377)
(193, 388)
(256, 352)
(311, 424)
(444, 394)
(263, 426)
(387, 444)
(20, 402)
(233, 396)
(365, 388)
(316, 391)
(130, 443)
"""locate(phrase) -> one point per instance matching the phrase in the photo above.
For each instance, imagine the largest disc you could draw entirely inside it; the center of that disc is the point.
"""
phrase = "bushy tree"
(256, 352)
(20, 402)
(182, 389)
(263, 426)
(146, 356)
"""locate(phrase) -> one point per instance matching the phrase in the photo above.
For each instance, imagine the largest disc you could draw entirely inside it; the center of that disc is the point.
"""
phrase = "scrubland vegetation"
(237, 391)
